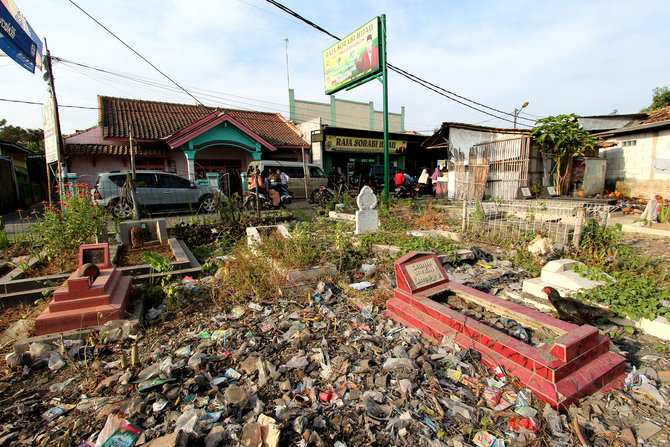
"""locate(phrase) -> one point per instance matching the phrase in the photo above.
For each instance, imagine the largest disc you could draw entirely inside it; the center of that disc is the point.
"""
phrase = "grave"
(94, 294)
(559, 275)
(154, 230)
(367, 218)
(575, 363)
(255, 234)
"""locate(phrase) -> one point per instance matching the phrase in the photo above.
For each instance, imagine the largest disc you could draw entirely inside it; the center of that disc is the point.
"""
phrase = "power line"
(407, 75)
(133, 50)
(218, 98)
(41, 103)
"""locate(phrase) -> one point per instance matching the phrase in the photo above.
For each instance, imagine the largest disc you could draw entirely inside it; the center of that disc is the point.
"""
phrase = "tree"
(660, 99)
(561, 138)
(32, 139)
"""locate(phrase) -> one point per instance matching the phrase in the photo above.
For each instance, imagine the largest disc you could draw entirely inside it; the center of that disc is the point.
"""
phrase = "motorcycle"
(264, 201)
(424, 189)
(403, 191)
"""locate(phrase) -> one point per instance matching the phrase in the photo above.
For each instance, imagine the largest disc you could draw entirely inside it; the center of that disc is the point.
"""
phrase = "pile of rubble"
(316, 370)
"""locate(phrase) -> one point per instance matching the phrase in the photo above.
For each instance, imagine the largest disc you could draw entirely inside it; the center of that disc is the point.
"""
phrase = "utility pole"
(59, 136)
(136, 207)
(288, 81)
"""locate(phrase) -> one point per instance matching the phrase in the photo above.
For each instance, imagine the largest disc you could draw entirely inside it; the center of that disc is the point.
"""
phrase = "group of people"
(425, 181)
(273, 184)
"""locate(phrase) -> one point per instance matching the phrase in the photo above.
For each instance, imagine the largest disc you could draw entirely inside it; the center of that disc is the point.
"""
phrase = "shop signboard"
(17, 38)
(353, 59)
(50, 135)
(362, 144)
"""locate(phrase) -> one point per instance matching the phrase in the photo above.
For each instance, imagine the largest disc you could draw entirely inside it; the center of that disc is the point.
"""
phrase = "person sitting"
(256, 183)
(283, 178)
(270, 188)
(424, 178)
(399, 178)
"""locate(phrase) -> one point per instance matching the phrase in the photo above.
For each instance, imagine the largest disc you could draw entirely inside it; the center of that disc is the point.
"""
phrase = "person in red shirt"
(399, 178)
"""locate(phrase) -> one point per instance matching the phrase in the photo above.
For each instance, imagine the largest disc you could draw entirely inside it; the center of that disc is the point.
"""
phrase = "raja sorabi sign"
(353, 59)
(355, 144)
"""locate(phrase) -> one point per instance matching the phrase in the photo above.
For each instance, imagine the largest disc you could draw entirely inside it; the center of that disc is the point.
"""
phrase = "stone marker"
(367, 218)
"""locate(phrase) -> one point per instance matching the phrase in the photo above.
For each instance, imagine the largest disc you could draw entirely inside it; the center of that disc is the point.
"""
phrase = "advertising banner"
(50, 135)
(17, 38)
(352, 59)
(368, 145)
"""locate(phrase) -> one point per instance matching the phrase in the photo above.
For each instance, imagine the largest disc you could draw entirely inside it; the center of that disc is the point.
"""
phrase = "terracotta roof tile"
(658, 115)
(110, 149)
(152, 120)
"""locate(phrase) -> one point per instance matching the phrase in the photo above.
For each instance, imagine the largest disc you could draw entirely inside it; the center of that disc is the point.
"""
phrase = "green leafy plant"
(560, 138)
(61, 231)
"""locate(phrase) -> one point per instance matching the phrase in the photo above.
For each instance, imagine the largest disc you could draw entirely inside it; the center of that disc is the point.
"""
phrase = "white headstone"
(367, 218)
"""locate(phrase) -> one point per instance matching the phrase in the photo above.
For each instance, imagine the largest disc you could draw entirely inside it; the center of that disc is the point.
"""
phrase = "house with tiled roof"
(638, 156)
(191, 140)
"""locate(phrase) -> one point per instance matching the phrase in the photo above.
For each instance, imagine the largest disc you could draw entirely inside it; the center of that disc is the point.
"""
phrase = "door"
(146, 190)
(176, 192)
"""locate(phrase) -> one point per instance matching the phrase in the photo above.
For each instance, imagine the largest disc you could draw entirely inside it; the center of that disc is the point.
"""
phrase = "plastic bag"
(111, 425)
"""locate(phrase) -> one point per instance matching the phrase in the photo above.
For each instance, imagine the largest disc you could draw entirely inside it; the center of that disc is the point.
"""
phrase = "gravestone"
(524, 193)
(367, 218)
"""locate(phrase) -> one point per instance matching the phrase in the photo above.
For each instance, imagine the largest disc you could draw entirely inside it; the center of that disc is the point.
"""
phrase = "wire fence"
(520, 221)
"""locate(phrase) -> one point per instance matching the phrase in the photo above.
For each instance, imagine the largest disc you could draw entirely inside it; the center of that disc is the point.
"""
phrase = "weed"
(22, 263)
(664, 213)
(4, 240)
(662, 348)
(160, 291)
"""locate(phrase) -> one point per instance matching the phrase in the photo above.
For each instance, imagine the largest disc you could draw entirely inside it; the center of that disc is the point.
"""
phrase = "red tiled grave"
(574, 364)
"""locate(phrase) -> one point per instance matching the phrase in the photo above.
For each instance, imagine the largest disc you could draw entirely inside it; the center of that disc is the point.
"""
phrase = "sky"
(584, 57)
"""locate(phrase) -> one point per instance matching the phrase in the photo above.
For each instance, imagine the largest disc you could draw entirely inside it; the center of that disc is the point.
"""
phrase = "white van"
(315, 177)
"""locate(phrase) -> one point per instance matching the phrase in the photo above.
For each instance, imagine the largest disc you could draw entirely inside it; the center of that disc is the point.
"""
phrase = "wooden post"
(463, 218)
(579, 226)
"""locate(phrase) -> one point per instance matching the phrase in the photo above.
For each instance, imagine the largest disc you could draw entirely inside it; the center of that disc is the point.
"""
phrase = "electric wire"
(413, 78)
(133, 50)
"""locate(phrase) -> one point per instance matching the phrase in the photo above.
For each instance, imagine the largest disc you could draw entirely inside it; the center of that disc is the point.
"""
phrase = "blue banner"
(15, 42)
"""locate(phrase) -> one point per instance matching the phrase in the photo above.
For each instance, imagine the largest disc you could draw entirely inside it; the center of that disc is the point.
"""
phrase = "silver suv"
(155, 190)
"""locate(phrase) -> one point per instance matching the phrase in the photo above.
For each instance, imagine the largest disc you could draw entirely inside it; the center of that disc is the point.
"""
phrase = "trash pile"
(318, 370)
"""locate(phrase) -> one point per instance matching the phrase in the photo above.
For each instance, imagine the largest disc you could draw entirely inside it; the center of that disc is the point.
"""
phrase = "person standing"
(437, 174)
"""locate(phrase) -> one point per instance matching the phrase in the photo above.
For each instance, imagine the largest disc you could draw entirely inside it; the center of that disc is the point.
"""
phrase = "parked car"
(155, 191)
(316, 179)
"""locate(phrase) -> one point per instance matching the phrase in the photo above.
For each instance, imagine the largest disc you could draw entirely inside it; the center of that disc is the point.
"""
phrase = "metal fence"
(521, 220)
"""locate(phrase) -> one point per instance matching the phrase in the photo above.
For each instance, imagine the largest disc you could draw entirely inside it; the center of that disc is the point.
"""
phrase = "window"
(316, 172)
(145, 180)
(629, 143)
(172, 181)
(294, 171)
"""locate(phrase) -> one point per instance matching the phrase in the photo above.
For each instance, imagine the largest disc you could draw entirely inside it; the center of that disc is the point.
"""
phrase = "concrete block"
(559, 273)
(312, 274)
(341, 216)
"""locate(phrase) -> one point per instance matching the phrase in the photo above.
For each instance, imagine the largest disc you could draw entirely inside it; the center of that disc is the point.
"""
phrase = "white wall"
(631, 168)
